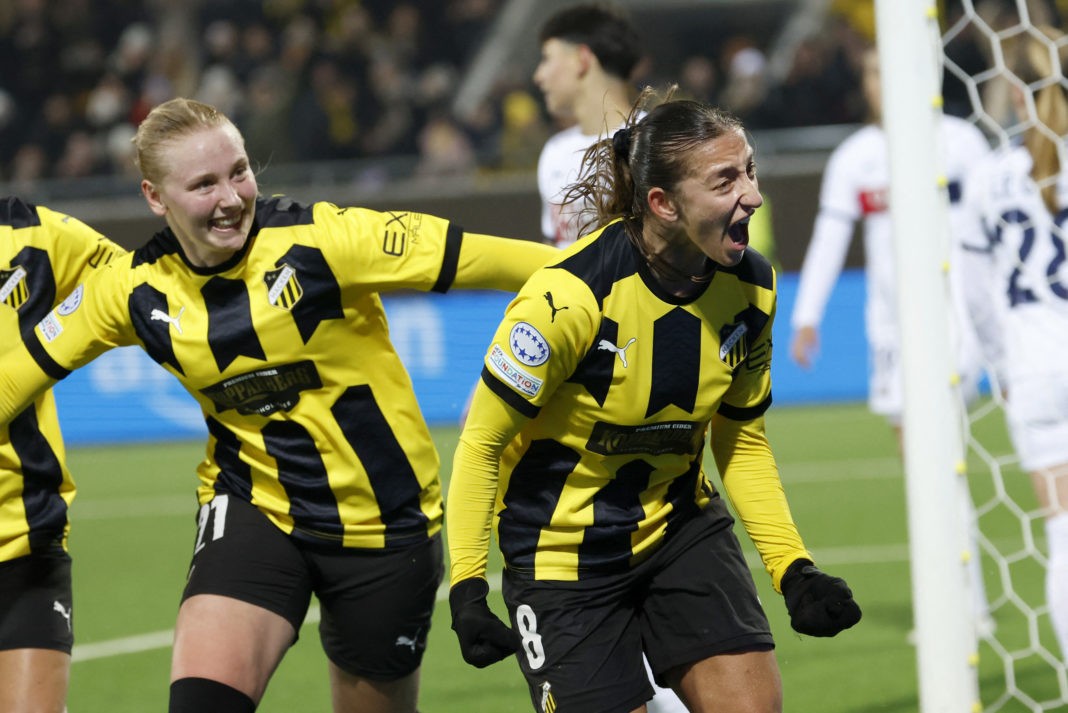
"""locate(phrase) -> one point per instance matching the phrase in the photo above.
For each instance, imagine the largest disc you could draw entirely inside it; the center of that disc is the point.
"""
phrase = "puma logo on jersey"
(607, 346)
(63, 611)
(160, 315)
(553, 307)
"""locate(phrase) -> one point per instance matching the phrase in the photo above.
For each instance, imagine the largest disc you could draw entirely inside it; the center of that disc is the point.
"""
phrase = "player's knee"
(202, 695)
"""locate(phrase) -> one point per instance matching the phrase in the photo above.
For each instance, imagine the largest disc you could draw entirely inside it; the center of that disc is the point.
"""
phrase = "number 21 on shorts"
(212, 516)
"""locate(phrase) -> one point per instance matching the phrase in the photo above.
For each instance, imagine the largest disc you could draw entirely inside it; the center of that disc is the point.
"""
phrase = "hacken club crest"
(14, 289)
(283, 288)
(734, 347)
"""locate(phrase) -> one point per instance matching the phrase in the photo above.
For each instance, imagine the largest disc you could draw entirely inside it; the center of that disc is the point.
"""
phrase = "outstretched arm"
(493, 263)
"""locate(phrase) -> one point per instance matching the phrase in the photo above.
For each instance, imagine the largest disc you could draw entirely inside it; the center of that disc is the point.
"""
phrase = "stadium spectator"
(320, 474)
(584, 446)
(854, 188)
(1020, 308)
(43, 256)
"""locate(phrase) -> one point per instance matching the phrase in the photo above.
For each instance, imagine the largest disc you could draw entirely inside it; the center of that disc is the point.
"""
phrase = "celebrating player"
(584, 445)
(320, 474)
(1021, 194)
(43, 256)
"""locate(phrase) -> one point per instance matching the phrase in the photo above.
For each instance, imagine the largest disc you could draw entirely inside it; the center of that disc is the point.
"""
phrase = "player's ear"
(152, 197)
(586, 59)
(662, 205)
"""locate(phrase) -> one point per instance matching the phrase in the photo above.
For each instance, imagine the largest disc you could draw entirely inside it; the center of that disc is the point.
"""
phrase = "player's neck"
(603, 109)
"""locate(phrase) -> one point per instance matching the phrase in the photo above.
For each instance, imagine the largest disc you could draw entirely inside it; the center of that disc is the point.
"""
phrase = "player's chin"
(731, 254)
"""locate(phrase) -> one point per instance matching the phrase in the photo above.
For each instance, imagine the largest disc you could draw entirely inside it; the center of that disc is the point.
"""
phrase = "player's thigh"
(699, 598)
(885, 381)
(36, 603)
(239, 553)
(245, 599)
(746, 682)
(357, 694)
(376, 607)
(1038, 421)
(34, 680)
(581, 643)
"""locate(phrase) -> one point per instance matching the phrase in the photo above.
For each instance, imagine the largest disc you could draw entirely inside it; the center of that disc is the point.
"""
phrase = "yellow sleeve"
(751, 481)
(21, 380)
(472, 494)
(492, 263)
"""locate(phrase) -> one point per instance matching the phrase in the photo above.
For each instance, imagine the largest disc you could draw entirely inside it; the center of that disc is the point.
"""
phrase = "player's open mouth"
(227, 224)
(739, 233)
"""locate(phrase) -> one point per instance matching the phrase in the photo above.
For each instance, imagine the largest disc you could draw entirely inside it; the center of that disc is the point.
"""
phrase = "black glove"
(819, 604)
(484, 639)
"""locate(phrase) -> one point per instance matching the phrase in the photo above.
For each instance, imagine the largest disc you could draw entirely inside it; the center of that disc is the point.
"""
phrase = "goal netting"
(1010, 660)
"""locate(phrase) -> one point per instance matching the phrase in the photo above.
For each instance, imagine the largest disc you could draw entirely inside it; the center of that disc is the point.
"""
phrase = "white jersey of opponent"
(559, 166)
(855, 186)
(1023, 324)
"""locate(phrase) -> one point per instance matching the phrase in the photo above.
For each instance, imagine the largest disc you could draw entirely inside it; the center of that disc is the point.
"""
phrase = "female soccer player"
(320, 474)
(1021, 194)
(584, 443)
(43, 256)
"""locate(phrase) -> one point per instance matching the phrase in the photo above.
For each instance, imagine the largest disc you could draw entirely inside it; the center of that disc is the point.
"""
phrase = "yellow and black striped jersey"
(43, 256)
(310, 413)
(619, 383)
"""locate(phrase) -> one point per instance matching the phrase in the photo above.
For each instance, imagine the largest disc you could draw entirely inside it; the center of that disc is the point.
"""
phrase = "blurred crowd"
(338, 80)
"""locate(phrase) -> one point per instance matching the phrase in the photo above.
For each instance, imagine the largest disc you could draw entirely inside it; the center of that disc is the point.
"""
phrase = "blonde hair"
(166, 122)
(1041, 60)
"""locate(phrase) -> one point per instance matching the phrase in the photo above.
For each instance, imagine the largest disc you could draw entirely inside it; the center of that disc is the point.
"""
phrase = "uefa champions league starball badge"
(528, 346)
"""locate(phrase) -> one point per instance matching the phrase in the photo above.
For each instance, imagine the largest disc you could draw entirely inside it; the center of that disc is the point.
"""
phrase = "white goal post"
(910, 60)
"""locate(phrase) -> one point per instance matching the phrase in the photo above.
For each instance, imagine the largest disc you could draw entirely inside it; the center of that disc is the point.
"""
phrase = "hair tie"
(621, 143)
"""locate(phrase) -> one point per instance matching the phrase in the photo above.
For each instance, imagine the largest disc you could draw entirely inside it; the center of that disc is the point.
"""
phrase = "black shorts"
(35, 602)
(583, 641)
(376, 605)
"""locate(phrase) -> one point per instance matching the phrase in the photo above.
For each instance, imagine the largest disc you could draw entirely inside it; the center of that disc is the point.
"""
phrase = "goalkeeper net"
(1018, 662)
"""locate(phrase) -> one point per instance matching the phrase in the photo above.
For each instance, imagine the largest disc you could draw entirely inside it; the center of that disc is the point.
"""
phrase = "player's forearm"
(472, 493)
(751, 480)
(821, 267)
(493, 263)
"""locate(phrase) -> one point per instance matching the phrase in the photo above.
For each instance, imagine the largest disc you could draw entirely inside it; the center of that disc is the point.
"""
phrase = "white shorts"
(1037, 413)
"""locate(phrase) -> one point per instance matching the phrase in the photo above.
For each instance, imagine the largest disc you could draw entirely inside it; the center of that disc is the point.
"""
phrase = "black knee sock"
(202, 695)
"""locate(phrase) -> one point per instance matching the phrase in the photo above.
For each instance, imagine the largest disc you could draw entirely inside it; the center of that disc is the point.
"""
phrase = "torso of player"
(43, 254)
(1029, 252)
(310, 410)
(625, 380)
(858, 187)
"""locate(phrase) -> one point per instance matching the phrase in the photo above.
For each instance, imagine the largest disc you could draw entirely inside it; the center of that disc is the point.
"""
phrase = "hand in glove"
(819, 604)
(484, 639)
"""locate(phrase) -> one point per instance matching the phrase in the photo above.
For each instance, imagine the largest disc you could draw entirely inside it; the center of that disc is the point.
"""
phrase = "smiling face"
(712, 205)
(207, 194)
